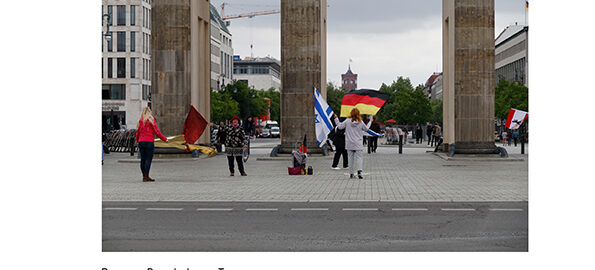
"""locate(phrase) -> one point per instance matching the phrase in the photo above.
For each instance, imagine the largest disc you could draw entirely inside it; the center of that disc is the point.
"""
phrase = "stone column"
(180, 67)
(303, 59)
(468, 65)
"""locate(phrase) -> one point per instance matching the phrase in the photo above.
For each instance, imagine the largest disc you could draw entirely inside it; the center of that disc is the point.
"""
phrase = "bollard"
(400, 144)
(132, 146)
(522, 146)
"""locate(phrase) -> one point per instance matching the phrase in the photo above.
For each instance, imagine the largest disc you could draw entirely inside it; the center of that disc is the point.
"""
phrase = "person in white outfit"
(354, 134)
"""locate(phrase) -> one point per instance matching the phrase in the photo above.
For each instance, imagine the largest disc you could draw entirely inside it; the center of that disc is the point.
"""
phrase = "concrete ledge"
(157, 160)
(482, 157)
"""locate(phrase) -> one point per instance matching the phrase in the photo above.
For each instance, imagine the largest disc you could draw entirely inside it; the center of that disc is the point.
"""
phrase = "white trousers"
(357, 155)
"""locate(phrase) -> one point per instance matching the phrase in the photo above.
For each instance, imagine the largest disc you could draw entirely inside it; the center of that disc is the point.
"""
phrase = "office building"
(221, 52)
(511, 54)
(259, 73)
(125, 63)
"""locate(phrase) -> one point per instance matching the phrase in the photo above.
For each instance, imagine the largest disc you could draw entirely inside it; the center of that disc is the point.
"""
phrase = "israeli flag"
(371, 133)
(322, 115)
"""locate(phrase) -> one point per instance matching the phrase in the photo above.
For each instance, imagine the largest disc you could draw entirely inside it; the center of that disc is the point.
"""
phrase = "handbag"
(294, 170)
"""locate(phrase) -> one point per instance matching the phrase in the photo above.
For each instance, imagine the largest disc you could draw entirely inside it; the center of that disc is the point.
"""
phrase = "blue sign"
(236, 58)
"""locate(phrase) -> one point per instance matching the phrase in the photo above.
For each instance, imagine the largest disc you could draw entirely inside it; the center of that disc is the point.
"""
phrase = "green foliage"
(223, 107)
(406, 104)
(334, 96)
(436, 105)
(239, 99)
(510, 95)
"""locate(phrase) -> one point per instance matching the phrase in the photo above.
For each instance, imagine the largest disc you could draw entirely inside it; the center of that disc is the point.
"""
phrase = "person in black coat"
(373, 140)
(429, 130)
(338, 138)
(418, 135)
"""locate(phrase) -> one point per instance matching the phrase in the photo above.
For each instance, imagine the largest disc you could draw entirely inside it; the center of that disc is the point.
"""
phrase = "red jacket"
(146, 132)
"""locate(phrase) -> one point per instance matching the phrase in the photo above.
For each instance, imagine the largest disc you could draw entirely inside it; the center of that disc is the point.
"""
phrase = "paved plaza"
(415, 175)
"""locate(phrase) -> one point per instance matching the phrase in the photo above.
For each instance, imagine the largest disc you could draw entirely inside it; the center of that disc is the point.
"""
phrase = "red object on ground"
(194, 126)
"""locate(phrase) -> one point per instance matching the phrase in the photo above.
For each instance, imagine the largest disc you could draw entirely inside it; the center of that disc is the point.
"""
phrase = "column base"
(474, 148)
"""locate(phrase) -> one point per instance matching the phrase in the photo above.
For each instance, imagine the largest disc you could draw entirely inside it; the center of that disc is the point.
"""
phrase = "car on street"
(265, 133)
(275, 132)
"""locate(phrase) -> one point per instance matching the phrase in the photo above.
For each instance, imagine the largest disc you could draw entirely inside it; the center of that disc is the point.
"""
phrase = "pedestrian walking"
(429, 131)
(406, 133)
(338, 138)
(515, 137)
(437, 134)
(235, 140)
(354, 132)
(504, 137)
(509, 138)
(373, 140)
(220, 136)
(146, 129)
(418, 135)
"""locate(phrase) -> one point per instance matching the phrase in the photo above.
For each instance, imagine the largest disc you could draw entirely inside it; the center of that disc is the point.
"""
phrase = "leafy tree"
(406, 104)
(249, 102)
(275, 97)
(334, 97)
(436, 105)
(510, 95)
(223, 107)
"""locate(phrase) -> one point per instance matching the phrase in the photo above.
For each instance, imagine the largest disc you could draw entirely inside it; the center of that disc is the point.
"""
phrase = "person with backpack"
(338, 137)
(146, 129)
(354, 134)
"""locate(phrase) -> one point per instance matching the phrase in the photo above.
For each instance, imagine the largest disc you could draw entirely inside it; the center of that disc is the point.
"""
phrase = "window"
(145, 92)
(121, 15)
(110, 12)
(132, 15)
(102, 67)
(133, 41)
(110, 46)
(133, 67)
(113, 91)
(110, 66)
(121, 41)
(121, 67)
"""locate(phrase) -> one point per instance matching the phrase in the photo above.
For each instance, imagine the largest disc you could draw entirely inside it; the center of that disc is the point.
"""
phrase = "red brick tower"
(349, 80)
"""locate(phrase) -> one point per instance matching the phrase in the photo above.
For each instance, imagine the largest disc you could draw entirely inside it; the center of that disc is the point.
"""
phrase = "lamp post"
(107, 34)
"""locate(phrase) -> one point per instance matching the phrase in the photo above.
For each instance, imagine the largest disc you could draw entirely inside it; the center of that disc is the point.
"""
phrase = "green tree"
(334, 97)
(510, 95)
(275, 97)
(249, 102)
(436, 105)
(223, 106)
(406, 104)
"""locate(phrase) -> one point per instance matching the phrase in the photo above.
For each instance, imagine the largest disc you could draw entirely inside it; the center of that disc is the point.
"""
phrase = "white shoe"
(335, 168)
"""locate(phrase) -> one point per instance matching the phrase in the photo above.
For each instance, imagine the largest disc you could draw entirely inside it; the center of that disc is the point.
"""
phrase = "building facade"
(511, 54)
(433, 86)
(221, 52)
(258, 73)
(125, 63)
(349, 80)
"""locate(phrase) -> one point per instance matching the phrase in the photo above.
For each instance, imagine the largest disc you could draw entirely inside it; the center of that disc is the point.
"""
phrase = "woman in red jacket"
(146, 130)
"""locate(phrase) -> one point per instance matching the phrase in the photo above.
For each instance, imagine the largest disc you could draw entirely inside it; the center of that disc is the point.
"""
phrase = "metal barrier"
(121, 140)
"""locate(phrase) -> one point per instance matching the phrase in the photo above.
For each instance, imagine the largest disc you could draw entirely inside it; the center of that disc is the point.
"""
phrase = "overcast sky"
(385, 39)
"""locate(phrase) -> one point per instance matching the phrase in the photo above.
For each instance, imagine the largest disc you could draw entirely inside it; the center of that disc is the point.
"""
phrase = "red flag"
(194, 126)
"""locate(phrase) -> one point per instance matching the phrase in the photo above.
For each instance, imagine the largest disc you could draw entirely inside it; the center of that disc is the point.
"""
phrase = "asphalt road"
(315, 226)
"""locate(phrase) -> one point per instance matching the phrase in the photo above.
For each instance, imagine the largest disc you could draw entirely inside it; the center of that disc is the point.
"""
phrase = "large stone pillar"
(468, 66)
(303, 68)
(180, 67)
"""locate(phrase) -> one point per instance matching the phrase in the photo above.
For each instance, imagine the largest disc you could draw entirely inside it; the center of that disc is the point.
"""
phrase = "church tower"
(349, 80)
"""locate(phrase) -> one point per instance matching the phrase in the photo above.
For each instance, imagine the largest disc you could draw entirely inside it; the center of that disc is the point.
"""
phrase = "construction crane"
(246, 15)
(226, 19)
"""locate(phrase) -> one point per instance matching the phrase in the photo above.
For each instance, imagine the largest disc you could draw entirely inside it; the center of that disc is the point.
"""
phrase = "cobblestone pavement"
(413, 176)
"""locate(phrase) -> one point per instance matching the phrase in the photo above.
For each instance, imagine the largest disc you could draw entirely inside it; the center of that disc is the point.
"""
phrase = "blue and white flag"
(322, 114)
(371, 133)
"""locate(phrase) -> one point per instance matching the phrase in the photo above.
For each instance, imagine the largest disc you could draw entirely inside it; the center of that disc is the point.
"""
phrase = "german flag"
(367, 101)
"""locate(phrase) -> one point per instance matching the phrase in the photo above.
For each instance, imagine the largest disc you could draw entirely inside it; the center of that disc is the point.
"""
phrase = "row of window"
(120, 38)
(226, 64)
(121, 68)
(251, 70)
(121, 16)
(118, 92)
(349, 81)
(514, 72)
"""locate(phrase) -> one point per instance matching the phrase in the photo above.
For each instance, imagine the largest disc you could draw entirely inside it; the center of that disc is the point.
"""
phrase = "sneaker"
(360, 176)
(351, 176)
(335, 168)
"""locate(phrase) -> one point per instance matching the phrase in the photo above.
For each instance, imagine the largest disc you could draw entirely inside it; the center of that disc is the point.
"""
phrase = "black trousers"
(338, 154)
(372, 144)
(146, 150)
(240, 163)
(429, 138)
